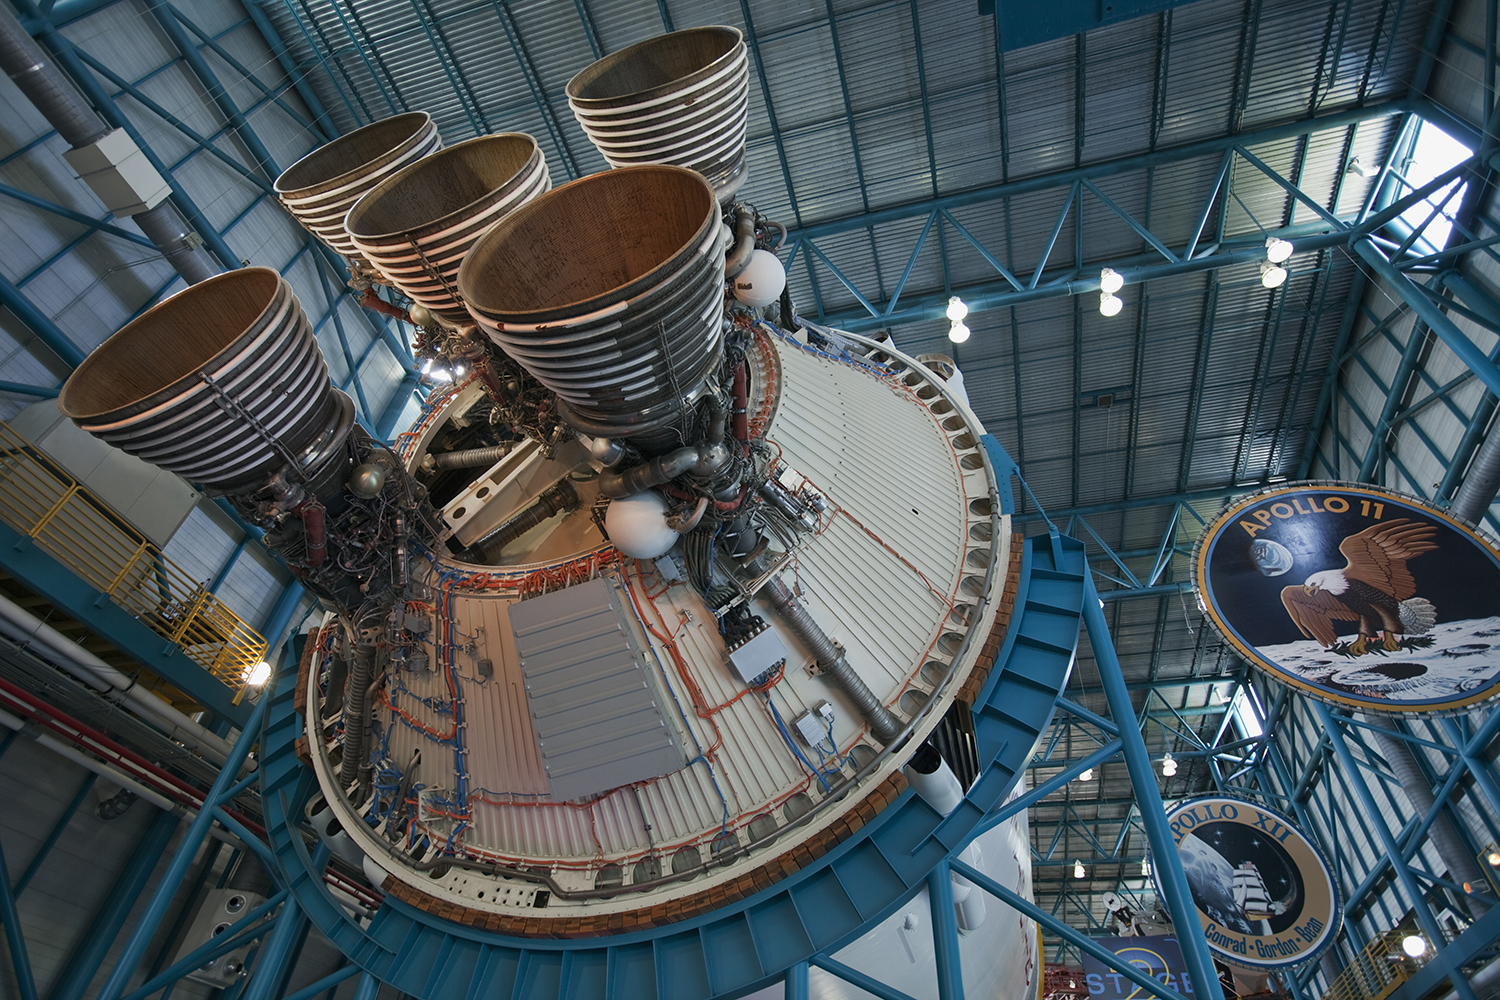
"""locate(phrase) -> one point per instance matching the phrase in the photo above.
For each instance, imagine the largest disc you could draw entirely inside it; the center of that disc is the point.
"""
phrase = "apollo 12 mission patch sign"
(1355, 595)
(1264, 894)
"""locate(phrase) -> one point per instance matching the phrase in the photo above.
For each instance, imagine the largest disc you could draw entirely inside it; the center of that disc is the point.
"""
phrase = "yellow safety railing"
(41, 500)
(1377, 971)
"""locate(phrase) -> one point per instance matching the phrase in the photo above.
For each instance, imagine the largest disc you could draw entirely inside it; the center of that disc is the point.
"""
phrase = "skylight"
(1435, 152)
(1245, 716)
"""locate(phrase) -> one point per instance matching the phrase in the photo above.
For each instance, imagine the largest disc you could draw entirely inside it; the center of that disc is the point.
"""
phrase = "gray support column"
(1418, 790)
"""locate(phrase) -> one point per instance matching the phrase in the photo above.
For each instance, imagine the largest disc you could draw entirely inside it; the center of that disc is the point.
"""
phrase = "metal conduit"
(66, 110)
(883, 725)
(1481, 482)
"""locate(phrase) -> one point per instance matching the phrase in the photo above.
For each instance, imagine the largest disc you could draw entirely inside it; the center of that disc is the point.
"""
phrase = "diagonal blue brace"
(20, 959)
(1172, 880)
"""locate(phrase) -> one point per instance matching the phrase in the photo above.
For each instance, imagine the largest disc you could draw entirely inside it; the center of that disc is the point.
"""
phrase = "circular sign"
(1264, 894)
(1355, 595)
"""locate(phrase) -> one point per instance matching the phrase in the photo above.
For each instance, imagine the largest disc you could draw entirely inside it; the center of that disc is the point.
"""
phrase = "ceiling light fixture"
(1168, 766)
(958, 333)
(259, 674)
(1110, 281)
(1146, 867)
(1110, 305)
(1272, 275)
(1078, 870)
(1278, 250)
(1494, 859)
(1415, 945)
(957, 310)
(1360, 169)
(1087, 774)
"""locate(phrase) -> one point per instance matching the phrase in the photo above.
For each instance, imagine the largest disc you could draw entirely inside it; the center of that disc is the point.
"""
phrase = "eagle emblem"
(1375, 588)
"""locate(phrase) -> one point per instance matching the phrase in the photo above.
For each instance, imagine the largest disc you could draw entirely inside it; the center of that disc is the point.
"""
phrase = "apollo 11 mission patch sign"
(1356, 595)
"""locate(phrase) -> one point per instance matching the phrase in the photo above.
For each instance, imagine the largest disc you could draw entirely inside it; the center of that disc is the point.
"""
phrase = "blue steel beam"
(66, 55)
(35, 865)
(1173, 882)
(950, 975)
(95, 225)
(156, 909)
(244, 930)
(112, 918)
(294, 74)
(1355, 781)
(20, 958)
(39, 323)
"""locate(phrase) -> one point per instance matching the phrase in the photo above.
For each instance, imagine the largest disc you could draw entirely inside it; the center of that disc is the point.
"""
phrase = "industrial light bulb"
(1146, 867)
(1087, 774)
(426, 366)
(957, 309)
(958, 333)
(459, 370)
(259, 674)
(1272, 275)
(1168, 765)
(1415, 945)
(1277, 250)
(1078, 869)
(1494, 859)
(1110, 305)
(1110, 281)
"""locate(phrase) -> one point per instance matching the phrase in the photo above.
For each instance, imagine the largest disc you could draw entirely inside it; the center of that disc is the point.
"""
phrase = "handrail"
(42, 501)
(1376, 971)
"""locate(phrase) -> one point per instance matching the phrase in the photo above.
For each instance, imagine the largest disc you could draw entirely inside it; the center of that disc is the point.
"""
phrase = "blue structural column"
(116, 912)
(950, 973)
(368, 987)
(1413, 891)
(271, 964)
(157, 909)
(20, 959)
(1170, 877)
(40, 324)
(796, 982)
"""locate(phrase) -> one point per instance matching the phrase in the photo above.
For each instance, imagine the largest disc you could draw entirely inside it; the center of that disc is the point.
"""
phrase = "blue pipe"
(166, 16)
(243, 930)
(40, 324)
(853, 976)
(1079, 940)
(1170, 877)
(112, 918)
(281, 616)
(20, 959)
(146, 926)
